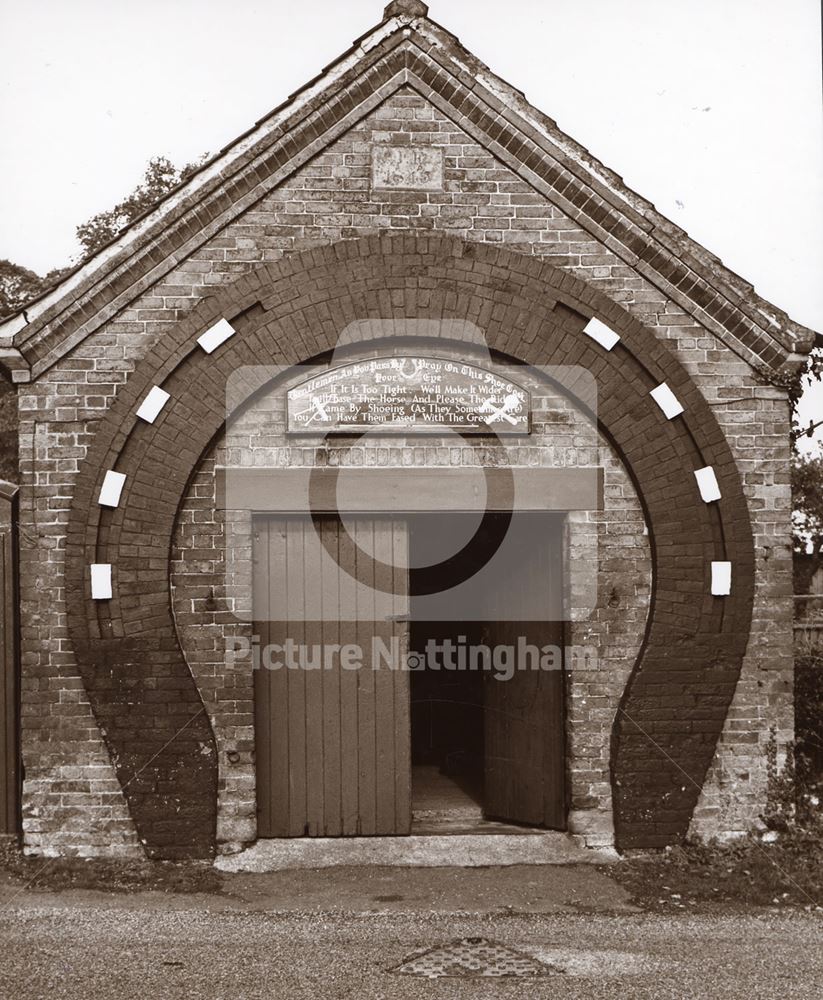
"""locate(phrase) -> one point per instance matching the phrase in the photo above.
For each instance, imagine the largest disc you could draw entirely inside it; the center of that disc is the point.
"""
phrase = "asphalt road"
(245, 946)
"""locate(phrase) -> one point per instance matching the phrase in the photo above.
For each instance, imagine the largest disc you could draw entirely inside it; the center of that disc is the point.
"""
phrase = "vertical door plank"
(331, 682)
(496, 714)
(262, 695)
(278, 684)
(312, 671)
(525, 720)
(384, 721)
(555, 753)
(401, 686)
(349, 682)
(529, 689)
(277, 628)
(296, 679)
(363, 532)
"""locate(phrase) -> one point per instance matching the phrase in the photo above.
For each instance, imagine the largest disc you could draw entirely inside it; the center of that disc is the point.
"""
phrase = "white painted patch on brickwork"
(601, 333)
(101, 581)
(111, 489)
(721, 579)
(216, 335)
(707, 484)
(667, 401)
(155, 400)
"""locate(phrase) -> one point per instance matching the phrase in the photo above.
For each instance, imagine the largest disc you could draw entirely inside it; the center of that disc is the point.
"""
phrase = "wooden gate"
(9, 681)
(332, 735)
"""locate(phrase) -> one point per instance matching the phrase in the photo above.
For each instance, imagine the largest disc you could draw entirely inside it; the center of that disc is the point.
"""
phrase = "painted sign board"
(408, 394)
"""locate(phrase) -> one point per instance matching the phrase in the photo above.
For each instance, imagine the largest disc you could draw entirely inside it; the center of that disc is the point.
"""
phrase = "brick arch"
(134, 671)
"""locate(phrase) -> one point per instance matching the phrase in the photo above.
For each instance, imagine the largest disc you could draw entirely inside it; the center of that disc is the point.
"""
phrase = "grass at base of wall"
(106, 875)
(787, 873)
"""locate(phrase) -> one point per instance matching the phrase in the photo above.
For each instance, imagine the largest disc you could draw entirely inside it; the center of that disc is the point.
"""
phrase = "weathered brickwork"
(623, 406)
(73, 801)
(757, 423)
(607, 556)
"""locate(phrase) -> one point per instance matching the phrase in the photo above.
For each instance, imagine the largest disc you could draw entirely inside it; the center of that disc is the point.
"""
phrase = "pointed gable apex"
(407, 49)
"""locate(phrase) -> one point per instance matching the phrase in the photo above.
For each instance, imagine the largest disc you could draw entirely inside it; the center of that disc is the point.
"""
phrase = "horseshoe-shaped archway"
(137, 680)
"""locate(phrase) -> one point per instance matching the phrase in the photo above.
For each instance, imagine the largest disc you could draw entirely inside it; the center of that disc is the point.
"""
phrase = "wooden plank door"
(332, 733)
(524, 750)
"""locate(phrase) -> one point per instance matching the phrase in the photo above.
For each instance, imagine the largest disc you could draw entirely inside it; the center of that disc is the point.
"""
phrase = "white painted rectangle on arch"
(156, 399)
(721, 579)
(598, 331)
(101, 581)
(216, 335)
(666, 400)
(111, 489)
(707, 484)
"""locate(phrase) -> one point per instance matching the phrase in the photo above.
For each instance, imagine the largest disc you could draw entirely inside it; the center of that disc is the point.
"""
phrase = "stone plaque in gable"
(417, 168)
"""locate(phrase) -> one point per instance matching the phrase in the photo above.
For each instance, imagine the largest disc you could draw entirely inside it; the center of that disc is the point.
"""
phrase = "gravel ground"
(203, 947)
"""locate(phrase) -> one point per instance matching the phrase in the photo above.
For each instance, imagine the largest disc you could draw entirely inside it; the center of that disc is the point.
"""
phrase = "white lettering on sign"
(409, 394)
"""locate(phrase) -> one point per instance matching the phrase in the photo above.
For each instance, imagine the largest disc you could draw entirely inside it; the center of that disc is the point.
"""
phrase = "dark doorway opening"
(485, 746)
(447, 732)
(446, 729)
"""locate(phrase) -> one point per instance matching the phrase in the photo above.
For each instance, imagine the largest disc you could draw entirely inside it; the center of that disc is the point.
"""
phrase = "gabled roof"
(407, 49)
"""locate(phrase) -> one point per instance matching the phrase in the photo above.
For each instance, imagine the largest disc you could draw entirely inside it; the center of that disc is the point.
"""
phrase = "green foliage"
(807, 494)
(17, 286)
(808, 723)
(806, 377)
(807, 519)
(793, 791)
(108, 875)
(8, 431)
(783, 867)
(780, 809)
(698, 875)
(161, 176)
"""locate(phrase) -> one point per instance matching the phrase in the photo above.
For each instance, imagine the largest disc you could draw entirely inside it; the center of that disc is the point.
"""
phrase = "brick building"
(406, 206)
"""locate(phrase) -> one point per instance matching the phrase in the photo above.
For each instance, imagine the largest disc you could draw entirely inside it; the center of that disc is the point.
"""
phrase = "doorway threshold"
(453, 850)
(455, 825)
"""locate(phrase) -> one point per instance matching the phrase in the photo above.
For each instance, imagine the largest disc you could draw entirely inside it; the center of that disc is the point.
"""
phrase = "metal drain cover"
(472, 956)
